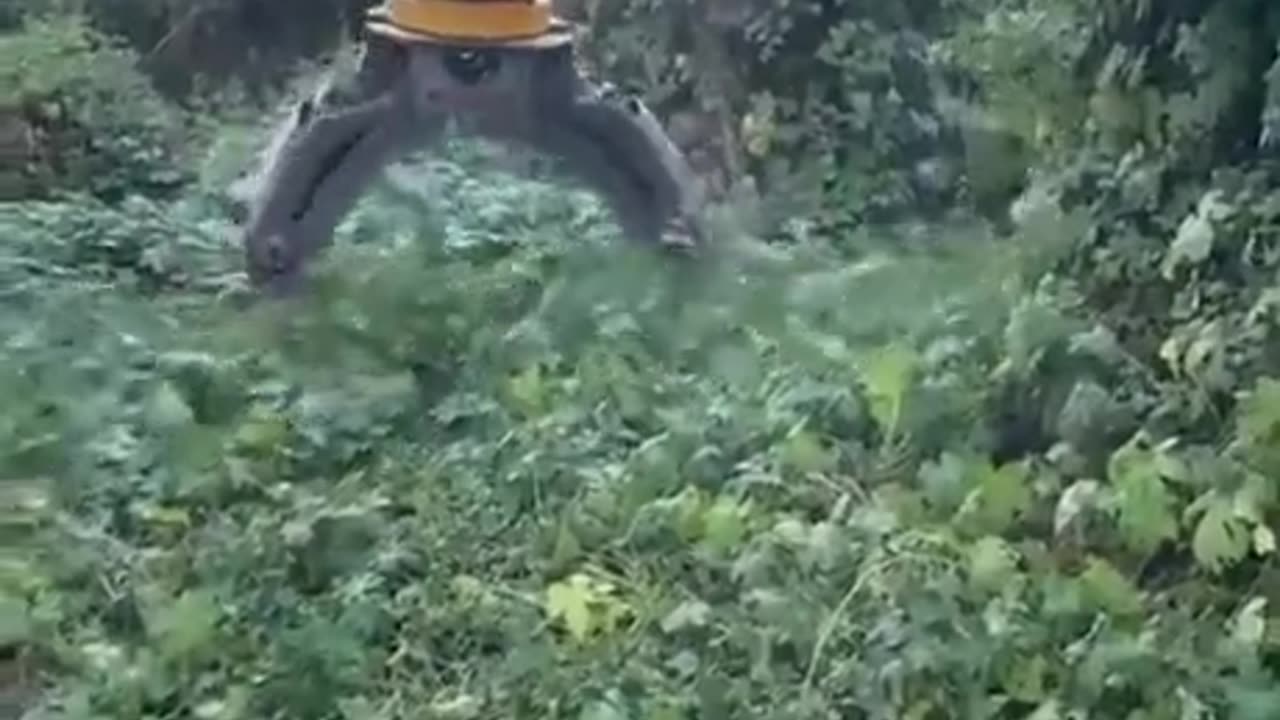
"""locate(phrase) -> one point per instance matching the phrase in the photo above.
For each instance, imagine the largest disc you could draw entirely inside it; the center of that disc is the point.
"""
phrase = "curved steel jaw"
(402, 97)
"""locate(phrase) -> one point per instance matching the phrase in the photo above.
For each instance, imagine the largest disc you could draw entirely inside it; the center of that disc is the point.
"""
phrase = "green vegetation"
(1017, 458)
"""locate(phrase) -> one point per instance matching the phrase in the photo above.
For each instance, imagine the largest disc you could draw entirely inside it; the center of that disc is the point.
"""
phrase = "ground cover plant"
(497, 464)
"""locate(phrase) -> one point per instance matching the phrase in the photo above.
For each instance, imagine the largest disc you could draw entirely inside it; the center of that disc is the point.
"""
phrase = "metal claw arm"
(326, 155)
(610, 142)
(639, 142)
(404, 92)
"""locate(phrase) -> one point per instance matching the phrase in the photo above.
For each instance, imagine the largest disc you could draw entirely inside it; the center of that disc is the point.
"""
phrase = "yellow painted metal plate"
(483, 20)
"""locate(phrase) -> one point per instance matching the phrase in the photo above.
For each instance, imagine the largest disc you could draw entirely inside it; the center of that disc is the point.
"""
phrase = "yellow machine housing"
(510, 23)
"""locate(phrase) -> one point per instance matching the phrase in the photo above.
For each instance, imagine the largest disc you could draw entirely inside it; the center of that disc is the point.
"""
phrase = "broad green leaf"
(1255, 497)
(1221, 539)
(1249, 626)
(1034, 324)
(585, 605)
(737, 365)
(167, 410)
(946, 481)
(262, 432)
(528, 390)
(1002, 495)
(1146, 513)
(690, 519)
(804, 452)
(724, 524)
(1107, 589)
(1025, 679)
(1259, 412)
(186, 628)
(888, 375)
(992, 562)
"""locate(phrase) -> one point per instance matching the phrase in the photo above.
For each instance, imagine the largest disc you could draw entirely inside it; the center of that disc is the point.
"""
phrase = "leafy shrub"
(498, 465)
(813, 100)
(81, 116)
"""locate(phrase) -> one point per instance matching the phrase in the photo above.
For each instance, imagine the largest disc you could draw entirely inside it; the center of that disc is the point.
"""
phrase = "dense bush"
(813, 100)
(77, 115)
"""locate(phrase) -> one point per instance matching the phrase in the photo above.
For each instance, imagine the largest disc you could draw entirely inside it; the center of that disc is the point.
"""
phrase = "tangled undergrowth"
(500, 465)
(497, 464)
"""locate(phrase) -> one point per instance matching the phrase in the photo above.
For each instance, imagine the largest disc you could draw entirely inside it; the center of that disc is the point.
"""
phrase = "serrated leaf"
(570, 602)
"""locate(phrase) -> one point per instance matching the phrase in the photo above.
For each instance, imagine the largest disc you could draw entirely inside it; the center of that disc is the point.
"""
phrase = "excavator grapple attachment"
(408, 89)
